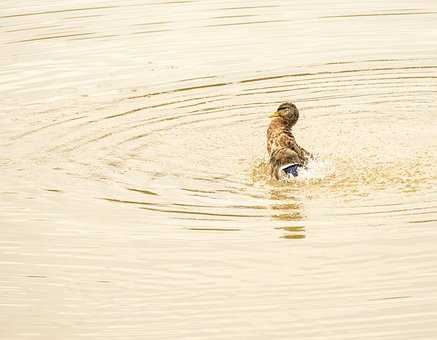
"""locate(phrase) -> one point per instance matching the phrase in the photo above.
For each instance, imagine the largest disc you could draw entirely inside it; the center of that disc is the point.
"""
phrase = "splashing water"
(316, 169)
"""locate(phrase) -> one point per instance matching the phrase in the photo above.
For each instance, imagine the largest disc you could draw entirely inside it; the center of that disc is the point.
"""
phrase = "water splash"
(317, 169)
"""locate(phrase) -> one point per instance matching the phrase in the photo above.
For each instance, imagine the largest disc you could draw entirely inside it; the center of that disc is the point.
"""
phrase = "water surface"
(135, 201)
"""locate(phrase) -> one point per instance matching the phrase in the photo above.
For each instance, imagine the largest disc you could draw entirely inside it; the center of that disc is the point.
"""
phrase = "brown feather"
(281, 144)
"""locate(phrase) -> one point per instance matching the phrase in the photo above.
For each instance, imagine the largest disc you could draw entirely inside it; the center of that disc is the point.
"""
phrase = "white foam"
(316, 169)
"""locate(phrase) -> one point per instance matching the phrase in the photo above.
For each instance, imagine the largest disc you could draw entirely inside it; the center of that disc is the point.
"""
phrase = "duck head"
(288, 112)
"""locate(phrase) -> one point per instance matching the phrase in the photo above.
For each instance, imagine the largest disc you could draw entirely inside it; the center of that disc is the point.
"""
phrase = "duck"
(286, 157)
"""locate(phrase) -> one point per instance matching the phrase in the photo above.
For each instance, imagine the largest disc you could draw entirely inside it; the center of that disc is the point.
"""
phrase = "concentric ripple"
(135, 187)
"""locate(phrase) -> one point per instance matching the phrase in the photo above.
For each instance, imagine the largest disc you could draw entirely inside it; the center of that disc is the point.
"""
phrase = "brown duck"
(286, 156)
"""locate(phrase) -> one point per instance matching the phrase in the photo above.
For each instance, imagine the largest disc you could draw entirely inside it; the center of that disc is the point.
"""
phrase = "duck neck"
(285, 123)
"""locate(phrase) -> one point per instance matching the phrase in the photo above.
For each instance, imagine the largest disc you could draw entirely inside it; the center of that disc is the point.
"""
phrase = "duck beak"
(274, 114)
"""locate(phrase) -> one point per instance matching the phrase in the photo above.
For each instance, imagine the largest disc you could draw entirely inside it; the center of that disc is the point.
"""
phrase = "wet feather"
(281, 144)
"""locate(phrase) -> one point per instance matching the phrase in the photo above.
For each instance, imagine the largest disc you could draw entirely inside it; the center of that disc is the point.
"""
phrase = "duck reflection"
(289, 212)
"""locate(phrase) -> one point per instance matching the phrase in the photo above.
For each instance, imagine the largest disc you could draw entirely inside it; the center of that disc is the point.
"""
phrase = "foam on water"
(316, 169)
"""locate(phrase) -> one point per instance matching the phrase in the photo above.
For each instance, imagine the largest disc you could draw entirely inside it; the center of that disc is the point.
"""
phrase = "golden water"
(134, 197)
